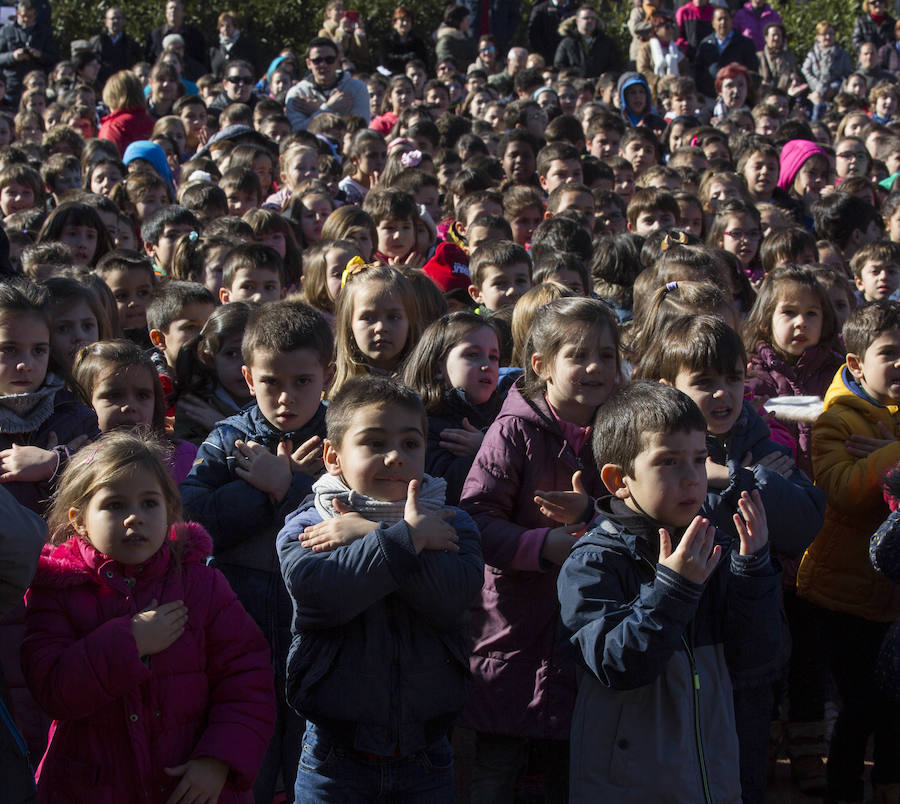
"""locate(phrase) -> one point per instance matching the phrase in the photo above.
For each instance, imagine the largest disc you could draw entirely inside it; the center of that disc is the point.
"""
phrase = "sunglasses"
(323, 60)
(239, 79)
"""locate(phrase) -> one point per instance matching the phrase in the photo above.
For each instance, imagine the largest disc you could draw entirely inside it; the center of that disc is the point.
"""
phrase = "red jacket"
(125, 127)
(118, 720)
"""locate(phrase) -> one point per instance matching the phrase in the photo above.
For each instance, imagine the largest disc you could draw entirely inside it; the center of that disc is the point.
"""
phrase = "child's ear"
(614, 480)
(224, 295)
(248, 378)
(547, 215)
(662, 381)
(855, 365)
(158, 339)
(475, 293)
(283, 292)
(859, 282)
(331, 459)
(150, 248)
(76, 521)
(329, 375)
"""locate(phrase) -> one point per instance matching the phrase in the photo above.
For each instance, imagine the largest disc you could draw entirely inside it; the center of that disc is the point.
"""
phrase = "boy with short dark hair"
(655, 599)
(61, 173)
(876, 271)
(559, 163)
(650, 210)
(382, 575)
(252, 272)
(160, 232)
(242, 190)
(253, 470)
(395, 216)
(500, 274)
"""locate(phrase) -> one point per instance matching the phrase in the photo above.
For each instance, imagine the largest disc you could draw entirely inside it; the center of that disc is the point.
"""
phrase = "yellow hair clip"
(673, 238)
(355, 266)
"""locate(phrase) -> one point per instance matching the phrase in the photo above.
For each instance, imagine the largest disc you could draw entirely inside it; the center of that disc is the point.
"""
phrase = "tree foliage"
(800, 19)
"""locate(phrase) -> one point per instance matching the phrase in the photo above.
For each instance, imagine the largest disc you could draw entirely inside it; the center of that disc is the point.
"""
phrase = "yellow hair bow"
(355, 266)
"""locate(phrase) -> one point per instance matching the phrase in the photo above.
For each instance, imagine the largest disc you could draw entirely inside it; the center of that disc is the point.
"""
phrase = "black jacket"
(194, 45)
(602, 56)
(245, 49)
(121, 55)
(396, 51)
(543, 36)
(12, 37)
(709, 61)
(865, 29)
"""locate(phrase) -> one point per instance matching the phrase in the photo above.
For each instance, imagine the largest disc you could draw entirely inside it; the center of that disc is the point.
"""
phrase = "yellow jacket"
(835, 572)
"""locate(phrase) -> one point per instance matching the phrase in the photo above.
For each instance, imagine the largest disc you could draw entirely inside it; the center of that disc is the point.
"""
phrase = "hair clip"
(355, 266)
(674, 238)
(670, 286)
(411, 159)
(90, 458)
(193, 236)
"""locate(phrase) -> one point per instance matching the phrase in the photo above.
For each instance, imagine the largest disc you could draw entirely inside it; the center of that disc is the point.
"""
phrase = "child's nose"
(392, 458)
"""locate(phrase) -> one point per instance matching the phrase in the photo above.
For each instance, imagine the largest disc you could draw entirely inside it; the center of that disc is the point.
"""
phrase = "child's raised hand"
(428, 531)
(565, 507)
(154, 629)
(202, 780)
(860, 446)
(696, 556)
(559, 542)
(27, 464)
(778, 462)
(329, 534)
(198, 411)
(307, 458)
(461, 441)
(263, 470)
(751, 523)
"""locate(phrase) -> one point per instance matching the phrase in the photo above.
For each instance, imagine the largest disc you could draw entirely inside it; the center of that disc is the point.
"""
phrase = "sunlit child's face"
(840, 303)
(886, 105)
(624, 183)
(379, 324)
(473, 364)
(523, 225)
(796, 320)
(302, 166)
(878, 279)
(15, 197)
(252, 284)
(241, 201)
(288, 386)
(274, 240)
(105, 178)
(124, 397)
(72, 327)
(24, 353)
(153, 200)
(381, 451)
(811, 179)
(132, 290)
(691, 219)
(761, 173)
(312, 218)
(502, 286)
(720, 397)
(878, 369)
(126, 519)
(570, 279)
(370, 163)
(396, 237)
(741, 237)
(362, 235)
(335, 262)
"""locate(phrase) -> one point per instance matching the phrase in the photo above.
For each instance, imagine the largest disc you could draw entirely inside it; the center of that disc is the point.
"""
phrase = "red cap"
(449, 268)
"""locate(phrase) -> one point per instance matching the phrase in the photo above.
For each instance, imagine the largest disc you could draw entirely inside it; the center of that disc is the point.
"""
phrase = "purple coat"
(523, 667)
(811, 375)
(120, 720)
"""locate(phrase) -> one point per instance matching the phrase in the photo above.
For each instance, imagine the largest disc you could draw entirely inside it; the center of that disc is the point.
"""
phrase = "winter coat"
(811, 375)
(778, 67)
(194, 44)
(125, 126)
(825, 69)
(353, 44)
(884, 553)
(524, 670)
(694, 25)
(654, 717)
(866, 29)
(752, 25)
(454, 44)
(396, 50)
(119, 718)
(379, 655)
(307, 88)
(244, 48)
(601, 56)
(543, 22)
(708, 60)
(12, 37)
(115, 56)
(889, 57)
(836, 572)
(649, 118)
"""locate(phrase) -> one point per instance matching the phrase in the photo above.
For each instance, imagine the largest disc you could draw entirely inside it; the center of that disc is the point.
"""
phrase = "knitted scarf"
(328, 488)
(25, 413)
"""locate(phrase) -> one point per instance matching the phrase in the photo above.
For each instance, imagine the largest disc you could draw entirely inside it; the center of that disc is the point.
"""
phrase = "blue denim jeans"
(330, 774)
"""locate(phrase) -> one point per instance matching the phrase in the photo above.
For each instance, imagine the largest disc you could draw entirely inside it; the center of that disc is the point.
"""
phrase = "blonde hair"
(123, 90)
(349, 359)
(108, 459)
(525, 310)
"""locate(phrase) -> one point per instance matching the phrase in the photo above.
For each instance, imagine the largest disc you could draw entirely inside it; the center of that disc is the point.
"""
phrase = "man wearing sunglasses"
(237, 87)
(325, 88)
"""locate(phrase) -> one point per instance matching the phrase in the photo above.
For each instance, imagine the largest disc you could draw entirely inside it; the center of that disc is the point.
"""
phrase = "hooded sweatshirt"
(648, 117)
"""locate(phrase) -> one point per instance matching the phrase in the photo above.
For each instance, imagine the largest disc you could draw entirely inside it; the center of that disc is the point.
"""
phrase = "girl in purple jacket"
(159, 683)
(529, 491)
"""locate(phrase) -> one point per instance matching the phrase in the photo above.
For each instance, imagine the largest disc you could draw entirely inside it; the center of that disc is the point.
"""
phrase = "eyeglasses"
(318, 60)
(851, 155)
(239, 79)
(737, 234)
(489, 49)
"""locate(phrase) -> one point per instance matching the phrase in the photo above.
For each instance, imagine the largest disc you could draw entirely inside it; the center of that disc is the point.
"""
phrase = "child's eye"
(63, 329)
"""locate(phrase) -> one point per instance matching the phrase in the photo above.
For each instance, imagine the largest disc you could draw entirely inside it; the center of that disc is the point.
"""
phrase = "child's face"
(523, 225)
(720, 397)
(126, 519)
(578, 200)
(396, 237)
(15, 197)
(288, 386)
(473, 364)
(624, 183)
(720, 191)
(163, 250)
(691, 219)
(878, 370)
(241, 201)
(796, 321)
(182, 329)
(335, 262)
(641, 154)
(840, 302)
(669, 482)
(741, 237)
(24, 353)
(430, 197)
(893, 226)
(683, 104)
(370, 163)
(228, 364)
(761, 173)
(274, 240)
(67, 180)
(811, 180)
(72, 328)
(132, 290)
(502, 287)
(580, 376)
(605, 143)
(125, 235)
(379, 324)
(773, 218)
(765, 125)
(571, 279)
(636, 99)
(476, 235)
(613, 219)
(312, 218)
(153, 200)
(886, 105)
(124, 398)
(562, 171)
(262, 167)
(82, 240)
(519, 162)
(363, 237)
(652, 220)
(381, 451)
(252, 284)
(878, 280)
(302, 166)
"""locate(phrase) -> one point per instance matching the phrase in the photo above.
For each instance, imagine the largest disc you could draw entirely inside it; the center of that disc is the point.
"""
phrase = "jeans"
(500, 761)
(332, 774)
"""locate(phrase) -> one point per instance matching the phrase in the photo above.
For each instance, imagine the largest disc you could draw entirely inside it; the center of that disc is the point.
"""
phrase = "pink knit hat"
(793, 155)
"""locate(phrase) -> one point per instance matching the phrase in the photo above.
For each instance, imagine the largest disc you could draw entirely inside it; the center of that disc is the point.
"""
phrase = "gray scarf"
(432, 494)
(25, 413)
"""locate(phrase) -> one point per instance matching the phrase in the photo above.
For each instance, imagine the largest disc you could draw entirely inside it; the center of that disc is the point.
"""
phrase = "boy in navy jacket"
(382, 575)
(662, 607)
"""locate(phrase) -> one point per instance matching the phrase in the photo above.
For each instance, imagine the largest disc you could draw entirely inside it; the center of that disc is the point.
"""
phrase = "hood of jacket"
(629, 79)
(845, 388)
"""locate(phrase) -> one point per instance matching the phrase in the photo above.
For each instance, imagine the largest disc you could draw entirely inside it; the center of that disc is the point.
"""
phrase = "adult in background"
(453, 38)
(325, 88)
(195, 47)
(117, 50)
(777, 64)
(873, 25)
(401, 45)
(723, 46)
(25, 45)
(347, 29)
(237, 87)
(586, 47)
(751, 20)
(232, 45)
(889, 55)
(694, 21)
(543, 26)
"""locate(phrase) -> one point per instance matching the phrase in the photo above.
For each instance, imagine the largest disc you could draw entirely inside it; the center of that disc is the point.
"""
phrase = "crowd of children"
(525, 433)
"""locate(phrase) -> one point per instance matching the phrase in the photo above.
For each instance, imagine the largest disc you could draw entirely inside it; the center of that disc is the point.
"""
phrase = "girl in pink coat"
(159, 683)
